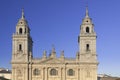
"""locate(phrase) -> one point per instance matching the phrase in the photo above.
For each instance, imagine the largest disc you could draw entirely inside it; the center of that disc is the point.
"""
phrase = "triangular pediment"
(52, 61)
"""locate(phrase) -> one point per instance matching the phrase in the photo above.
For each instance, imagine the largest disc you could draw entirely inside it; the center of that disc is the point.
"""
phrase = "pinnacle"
(87, 13)
(23, 14)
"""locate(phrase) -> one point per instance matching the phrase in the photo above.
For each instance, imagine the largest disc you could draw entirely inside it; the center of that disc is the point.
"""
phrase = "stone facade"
(26, 67)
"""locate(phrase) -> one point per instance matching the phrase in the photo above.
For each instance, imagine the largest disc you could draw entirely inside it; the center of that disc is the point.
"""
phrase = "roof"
(2, 78)
(5, 71)
(107, 78)
(118, 79)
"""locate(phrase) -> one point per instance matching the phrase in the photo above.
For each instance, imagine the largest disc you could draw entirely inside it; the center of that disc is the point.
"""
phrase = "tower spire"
(23, 14)
(87, 13)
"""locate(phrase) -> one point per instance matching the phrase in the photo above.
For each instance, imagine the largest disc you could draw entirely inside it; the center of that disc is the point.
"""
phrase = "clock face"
(88, 56)
(20, 56)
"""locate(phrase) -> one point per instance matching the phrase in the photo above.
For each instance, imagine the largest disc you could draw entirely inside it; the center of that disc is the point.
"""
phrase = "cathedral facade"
(26, 67)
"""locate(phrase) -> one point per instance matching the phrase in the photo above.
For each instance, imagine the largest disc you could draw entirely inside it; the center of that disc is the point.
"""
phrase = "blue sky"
(58, 22)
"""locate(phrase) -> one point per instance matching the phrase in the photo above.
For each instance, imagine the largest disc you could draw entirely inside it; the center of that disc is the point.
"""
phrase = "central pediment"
(52, 61)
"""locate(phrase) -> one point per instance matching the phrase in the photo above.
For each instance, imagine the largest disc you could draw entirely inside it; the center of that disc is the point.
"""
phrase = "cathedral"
(25, 67)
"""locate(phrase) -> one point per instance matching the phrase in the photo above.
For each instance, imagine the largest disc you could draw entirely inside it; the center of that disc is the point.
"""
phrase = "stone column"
(95, 73)
(64, 73)
(15, 74)
(92, 73)
(46, 73)
(78, 74)
(43, 73)
(24, 74)
(84, 74)
(27, 70)
(81, 74)
(30, 72)
(61, 75)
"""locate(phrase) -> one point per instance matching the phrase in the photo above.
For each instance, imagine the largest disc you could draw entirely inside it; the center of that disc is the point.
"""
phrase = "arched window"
(25, 30)
(53, 72)
(71, 72)
(87, 47)
(20, 47)
(36, 72)
(20, 31)
(87, 30)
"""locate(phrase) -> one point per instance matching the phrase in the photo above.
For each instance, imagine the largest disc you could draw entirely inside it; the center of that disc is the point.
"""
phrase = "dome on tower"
(87, 19)
(22, 21)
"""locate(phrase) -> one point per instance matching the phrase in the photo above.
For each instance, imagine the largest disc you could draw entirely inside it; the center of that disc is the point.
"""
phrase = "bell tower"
(21, 50)
(87, 39)
(87, 49)
(22, 41)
